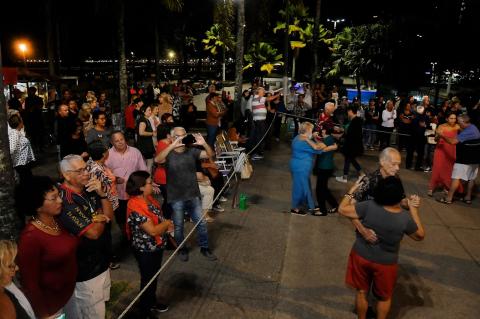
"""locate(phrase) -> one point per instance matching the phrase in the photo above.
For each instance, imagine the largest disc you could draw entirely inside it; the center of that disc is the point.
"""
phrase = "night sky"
(87, 28)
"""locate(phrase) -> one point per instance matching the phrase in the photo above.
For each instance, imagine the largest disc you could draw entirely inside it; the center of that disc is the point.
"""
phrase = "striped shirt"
(259, 110)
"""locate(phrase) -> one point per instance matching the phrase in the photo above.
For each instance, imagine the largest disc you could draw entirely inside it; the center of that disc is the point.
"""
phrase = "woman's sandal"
(444, 200)
(466, 201)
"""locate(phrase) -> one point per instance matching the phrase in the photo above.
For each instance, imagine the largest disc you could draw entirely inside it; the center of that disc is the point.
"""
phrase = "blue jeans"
(194, 209)
(368, 135)
(211, 134)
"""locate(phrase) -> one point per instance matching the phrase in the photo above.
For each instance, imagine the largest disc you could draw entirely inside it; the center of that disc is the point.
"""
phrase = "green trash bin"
(242, 204)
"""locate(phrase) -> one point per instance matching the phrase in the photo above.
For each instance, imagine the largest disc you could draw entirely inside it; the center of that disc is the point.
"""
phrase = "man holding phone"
(182, 186)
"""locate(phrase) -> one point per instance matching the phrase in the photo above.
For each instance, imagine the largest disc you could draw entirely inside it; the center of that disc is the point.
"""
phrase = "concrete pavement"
(275, 265)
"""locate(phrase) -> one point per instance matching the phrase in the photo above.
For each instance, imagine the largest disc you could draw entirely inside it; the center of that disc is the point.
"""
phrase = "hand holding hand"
(414, 201)
(369, 235)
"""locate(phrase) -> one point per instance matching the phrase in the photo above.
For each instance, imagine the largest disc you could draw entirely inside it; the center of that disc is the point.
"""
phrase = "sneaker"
(218, 209)
(183, 254)
(298, 212)
(222, 199)
(332, 210)
(427, 169)
(317, 213)
(114, 266)
(341, 179)
(159, 308)
(208, 254)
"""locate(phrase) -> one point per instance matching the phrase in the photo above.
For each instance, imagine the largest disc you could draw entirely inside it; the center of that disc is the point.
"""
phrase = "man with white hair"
(85, 210)
(325, 119)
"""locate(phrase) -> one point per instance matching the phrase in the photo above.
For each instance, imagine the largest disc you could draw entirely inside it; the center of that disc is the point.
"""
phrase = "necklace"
(54, 228)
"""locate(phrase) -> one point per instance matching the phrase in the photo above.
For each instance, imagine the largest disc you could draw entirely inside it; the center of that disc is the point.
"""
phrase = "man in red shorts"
(375, 264)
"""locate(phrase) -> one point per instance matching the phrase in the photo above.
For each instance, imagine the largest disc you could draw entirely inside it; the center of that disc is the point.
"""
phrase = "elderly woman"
(376, 264)
(47, 253)
(146, 229)
(20, 148)
(301, 164)
(12, 301)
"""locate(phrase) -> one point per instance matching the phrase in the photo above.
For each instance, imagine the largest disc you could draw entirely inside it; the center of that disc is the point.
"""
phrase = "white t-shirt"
(388, 118)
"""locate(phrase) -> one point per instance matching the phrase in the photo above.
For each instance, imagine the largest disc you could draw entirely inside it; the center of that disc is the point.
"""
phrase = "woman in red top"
(160, 175)
(46, 252)
(444, 156)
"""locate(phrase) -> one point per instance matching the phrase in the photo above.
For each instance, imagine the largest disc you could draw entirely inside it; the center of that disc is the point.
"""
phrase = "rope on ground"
(235, 169)
(315, 123)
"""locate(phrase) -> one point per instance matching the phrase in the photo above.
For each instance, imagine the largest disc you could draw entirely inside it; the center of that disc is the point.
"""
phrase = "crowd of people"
(107, 176)
(110, 175)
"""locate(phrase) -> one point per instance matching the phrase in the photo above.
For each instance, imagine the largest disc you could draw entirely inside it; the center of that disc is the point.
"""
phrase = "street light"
(22, 46)
(335, 22)
(171, 55)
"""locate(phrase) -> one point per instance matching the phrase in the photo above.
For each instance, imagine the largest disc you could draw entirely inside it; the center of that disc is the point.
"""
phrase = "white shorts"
(89, 297)
(207, 192)
(466, 172)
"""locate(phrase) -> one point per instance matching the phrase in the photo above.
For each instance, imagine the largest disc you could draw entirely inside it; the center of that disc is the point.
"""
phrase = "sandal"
(444, 200)
(466, 201)
(430, 193)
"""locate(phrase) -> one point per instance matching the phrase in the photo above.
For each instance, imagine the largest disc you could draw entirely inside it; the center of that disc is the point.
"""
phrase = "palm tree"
(122, 59)
(216, 40)
(263, 57)
(239, 56)
(316, 25)
(9, 223)
(296, 19)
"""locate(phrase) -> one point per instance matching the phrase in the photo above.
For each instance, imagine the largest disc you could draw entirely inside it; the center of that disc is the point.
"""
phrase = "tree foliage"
(263, 57)
(216, 40)
(360, 51)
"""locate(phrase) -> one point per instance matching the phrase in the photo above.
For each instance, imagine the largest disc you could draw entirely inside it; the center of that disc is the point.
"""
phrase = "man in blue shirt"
(467, 159)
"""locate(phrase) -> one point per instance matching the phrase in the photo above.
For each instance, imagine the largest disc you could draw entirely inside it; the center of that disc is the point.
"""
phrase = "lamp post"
(335, 22)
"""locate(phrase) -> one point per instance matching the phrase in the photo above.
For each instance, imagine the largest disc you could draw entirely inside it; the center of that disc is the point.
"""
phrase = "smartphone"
(188, 140)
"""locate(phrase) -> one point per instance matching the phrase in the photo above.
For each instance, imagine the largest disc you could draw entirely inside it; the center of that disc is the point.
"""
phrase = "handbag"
(247, 169)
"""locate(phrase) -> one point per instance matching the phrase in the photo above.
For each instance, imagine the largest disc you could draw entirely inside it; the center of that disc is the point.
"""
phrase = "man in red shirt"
(130, 114)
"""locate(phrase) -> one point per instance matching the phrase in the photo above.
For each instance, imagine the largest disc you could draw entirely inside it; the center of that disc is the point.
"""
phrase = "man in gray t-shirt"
(389, 227)
(183, 193)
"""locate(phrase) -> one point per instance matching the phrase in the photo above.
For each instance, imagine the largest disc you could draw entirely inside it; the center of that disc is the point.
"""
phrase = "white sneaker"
(218, 209)
(341, 179)
(222, 199)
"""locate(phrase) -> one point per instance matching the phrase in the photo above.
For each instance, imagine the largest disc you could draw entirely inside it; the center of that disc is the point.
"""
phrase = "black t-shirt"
(76, 217)
(181, 175)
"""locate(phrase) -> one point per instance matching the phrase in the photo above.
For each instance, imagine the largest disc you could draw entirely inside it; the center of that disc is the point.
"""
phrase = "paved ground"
(274, 265)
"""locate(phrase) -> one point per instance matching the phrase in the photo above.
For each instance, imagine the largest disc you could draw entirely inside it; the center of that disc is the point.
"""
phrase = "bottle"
(242, 204)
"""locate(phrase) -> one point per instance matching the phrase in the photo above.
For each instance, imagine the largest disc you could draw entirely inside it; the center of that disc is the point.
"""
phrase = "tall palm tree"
(316, 25)
(263, 57)
(240, 47)
(122, 59)
(9, 223)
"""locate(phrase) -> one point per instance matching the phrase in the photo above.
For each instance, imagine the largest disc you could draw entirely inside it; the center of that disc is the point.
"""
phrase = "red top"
(48, 268)
(160, 176)
(129, 119)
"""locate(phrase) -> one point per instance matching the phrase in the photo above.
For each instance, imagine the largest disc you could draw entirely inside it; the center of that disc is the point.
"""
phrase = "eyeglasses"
(82, 170)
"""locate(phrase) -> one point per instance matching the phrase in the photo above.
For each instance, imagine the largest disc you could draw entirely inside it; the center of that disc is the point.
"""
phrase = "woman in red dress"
(444, 156)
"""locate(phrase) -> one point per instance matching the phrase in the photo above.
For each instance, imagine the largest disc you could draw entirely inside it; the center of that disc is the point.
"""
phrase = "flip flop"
(466, 201)
(443, 200)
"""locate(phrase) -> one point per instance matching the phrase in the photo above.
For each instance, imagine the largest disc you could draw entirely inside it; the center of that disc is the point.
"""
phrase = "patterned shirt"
(20, 147)
(259, 110)
(140, 239)
(106, 178)
(365, 191)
